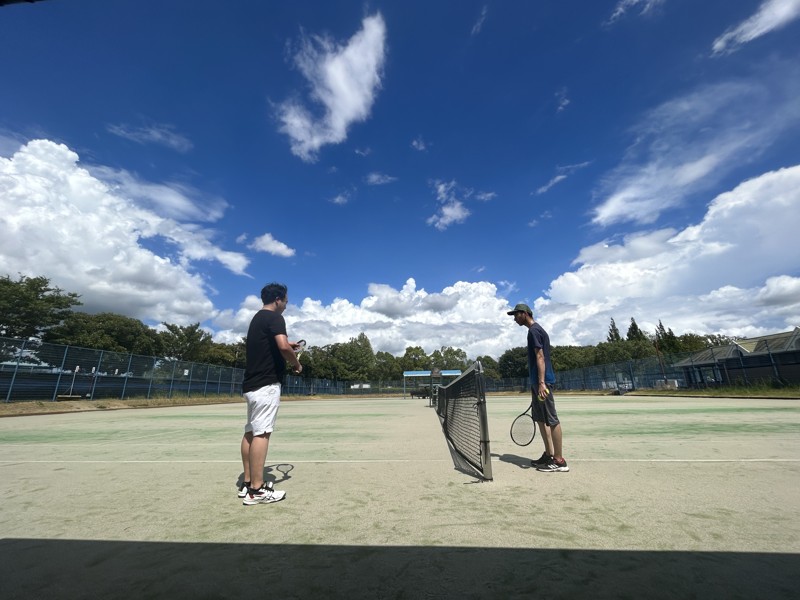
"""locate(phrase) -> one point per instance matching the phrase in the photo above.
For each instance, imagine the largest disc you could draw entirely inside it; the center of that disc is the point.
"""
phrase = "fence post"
(96, 374)
(172, 379)
(744, 371)
(125, 383)
(152, 375)
(60, 373)
(774, 364)
(189, 387)
(16, 368)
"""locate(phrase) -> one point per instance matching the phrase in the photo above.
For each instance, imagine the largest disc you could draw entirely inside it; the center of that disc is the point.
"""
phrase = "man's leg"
(258, 458)
(546, 438)
(247, 440)
(557, 438)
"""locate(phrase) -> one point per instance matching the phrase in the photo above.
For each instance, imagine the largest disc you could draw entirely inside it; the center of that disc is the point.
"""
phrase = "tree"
(491, 370)
(666, 341)
(613, 333)
(453, 358)
(415, 359)
(386, 368)
(634, 333)
(105, 331)
(566, 358)
(30, 306)
(355, 359)
(185, 343)
(514, 363)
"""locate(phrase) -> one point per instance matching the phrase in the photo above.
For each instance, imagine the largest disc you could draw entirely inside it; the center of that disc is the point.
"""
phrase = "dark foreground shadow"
(31, 568)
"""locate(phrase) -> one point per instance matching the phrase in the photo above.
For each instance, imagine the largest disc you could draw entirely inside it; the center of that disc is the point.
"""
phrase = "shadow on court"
(31, 568)
(277, 474)
(523, 462)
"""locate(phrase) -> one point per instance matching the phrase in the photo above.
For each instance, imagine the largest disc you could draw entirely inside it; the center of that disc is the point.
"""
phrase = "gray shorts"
(544, 411)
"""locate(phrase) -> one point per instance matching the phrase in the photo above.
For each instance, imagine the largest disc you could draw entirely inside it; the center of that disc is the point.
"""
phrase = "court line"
(411, 460)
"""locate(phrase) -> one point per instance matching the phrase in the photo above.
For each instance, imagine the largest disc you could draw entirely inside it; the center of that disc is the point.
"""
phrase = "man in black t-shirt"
(268, 351)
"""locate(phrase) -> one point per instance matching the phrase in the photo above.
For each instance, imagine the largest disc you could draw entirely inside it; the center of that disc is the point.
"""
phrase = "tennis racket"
(299, 348)
(523, 429)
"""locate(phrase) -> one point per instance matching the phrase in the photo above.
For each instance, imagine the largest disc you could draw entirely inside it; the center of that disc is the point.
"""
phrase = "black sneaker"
(554, 466)
(541, 461)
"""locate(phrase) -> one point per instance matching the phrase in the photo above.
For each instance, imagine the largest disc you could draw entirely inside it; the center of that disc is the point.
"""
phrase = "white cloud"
(562, 99)
(689, 144)
(267, 243)
(172, 199)
(546, 187)
(379, 179)
(163, 135)
(623, 6)
(476, 28)
(344, 80)
(770, 16)
(562, 174)
(341, 199)
(61, 222)
(732, 273)
(465, 315)
(419, 144)
(452, 209)
(735, 272)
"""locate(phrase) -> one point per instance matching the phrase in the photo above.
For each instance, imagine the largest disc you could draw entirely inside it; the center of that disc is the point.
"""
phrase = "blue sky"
(409, 169)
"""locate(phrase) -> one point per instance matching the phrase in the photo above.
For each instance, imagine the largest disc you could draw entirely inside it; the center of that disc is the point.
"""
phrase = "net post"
(486, 455)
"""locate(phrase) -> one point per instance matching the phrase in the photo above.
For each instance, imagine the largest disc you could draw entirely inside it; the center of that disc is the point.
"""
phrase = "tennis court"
(666, 498)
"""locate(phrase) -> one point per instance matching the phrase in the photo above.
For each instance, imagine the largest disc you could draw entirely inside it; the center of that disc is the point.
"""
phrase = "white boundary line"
(409, 460)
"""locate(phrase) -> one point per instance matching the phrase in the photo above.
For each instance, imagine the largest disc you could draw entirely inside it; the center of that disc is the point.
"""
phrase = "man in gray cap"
(542, 378)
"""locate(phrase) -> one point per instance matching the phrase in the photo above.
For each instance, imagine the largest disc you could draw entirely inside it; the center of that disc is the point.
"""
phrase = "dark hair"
(272, 292)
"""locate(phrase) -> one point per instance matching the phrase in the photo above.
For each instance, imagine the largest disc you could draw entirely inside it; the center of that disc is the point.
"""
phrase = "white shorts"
(262, 409)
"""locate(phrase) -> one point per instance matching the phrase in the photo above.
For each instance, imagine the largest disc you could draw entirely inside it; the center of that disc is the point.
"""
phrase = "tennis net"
(461, 406)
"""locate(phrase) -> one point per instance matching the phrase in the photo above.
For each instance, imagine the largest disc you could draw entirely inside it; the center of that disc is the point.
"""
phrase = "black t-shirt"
(265, 363)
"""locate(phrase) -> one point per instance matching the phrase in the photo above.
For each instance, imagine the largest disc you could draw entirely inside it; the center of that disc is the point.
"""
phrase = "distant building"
(771, 359)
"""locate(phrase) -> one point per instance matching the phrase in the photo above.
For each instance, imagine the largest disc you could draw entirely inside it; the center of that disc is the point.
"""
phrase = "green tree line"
(32, 308)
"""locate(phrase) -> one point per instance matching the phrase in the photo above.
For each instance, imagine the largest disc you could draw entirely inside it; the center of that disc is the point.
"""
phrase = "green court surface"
(666, 498)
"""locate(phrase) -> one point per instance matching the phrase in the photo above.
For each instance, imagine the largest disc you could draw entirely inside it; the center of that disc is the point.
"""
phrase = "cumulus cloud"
(689, 144)
(466, 315)
(267, 243)
(64, 222)
(344, 79)
(732, 273)
(160, 134)
(770, 16)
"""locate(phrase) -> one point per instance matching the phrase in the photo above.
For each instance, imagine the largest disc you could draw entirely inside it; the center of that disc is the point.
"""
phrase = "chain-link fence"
(33, 370)
(713, 367)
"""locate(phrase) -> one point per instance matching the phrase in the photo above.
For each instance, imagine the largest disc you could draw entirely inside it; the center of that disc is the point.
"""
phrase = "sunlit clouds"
(770, 16)
(344, 79)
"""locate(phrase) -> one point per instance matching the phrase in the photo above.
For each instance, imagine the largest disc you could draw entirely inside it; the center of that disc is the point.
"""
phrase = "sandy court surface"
(693, 498)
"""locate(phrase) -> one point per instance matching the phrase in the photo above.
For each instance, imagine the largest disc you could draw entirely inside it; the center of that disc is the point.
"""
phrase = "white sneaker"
(242, 490)
(264, 495)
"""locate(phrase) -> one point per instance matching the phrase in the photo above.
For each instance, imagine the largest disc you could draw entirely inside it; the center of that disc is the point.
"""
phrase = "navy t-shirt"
(265, 363)
(538, 338)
